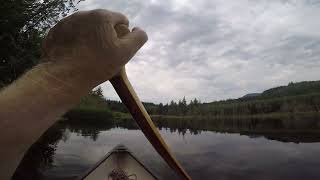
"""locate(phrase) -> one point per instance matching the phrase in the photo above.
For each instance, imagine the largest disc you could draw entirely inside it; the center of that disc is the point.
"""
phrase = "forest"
(300, 97)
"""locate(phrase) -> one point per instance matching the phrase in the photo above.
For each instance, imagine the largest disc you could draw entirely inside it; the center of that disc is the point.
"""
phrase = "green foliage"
(182, 108)
(23, 24)
(290, 99)
(116, 106)
(89, 114)
(296, 97)
(293, 89)
(91, 108)
(98, 92)
(292, 104)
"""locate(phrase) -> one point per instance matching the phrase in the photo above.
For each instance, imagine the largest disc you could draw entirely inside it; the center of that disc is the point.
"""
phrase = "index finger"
(111, 17)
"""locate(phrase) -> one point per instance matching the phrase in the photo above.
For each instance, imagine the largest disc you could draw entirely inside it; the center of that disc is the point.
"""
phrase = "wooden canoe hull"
(119, 162)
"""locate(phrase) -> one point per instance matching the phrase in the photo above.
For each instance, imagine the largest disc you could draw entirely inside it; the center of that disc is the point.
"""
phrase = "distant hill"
(293, 89)
(299, 97)
(251, 95)
(293, 98)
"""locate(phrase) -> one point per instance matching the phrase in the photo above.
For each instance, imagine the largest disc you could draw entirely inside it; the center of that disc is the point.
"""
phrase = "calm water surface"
(236, 149)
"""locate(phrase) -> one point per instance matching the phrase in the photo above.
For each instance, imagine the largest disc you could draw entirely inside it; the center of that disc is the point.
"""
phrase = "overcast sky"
(219, 49)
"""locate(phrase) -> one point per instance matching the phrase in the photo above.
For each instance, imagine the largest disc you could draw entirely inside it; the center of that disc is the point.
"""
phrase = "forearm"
(30, 106)
(85, 50)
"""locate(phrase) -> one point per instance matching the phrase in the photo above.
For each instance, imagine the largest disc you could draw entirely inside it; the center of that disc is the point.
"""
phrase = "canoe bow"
(128, 96)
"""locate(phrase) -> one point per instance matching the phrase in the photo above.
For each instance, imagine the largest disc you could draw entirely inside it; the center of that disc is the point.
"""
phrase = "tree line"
(292, 104)
(293, 98)
(173, 108)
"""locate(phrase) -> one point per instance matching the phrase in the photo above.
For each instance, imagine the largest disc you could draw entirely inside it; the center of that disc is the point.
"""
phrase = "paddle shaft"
(128, 96)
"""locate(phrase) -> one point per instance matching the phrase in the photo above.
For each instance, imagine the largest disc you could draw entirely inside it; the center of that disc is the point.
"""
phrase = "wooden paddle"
(128, 96)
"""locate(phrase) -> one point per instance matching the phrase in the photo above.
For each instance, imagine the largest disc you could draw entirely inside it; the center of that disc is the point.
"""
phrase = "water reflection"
(287, 129)
(206, 147)
(40, 156)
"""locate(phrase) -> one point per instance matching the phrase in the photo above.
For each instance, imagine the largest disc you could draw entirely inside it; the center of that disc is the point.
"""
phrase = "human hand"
(85, 49)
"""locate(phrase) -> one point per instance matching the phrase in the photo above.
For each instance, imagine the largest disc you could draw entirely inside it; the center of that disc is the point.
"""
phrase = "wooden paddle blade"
(128, 96)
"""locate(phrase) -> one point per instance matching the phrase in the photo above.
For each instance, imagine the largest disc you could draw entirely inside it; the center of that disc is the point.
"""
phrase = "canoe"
(119, 164)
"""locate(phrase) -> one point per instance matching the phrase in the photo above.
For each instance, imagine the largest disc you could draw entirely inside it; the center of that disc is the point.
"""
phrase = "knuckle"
(121, 16)
(100, 14)
(100, 11)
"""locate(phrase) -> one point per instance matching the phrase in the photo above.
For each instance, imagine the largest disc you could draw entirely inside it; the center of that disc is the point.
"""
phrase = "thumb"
(131, 42)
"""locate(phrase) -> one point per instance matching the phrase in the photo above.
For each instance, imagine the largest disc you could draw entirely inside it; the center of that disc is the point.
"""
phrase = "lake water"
(287, 148)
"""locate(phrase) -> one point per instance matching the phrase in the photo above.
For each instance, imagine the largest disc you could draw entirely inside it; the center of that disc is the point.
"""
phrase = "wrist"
(62, 79)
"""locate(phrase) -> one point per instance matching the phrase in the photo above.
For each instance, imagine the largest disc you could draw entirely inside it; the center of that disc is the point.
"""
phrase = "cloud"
(218, 49)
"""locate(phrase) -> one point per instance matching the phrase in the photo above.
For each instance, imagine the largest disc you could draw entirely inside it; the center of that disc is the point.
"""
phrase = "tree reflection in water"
(289, 129)
(40, 155)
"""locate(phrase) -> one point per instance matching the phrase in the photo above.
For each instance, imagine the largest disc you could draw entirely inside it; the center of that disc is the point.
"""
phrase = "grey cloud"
(218, 49)
(131, 8)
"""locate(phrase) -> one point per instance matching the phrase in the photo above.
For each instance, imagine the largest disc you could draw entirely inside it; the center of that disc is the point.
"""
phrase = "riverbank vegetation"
(295, 98)
(299, 97)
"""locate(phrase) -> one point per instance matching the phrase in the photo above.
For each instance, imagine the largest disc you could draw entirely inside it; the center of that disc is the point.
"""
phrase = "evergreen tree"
(160, 109)
(98, 92)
